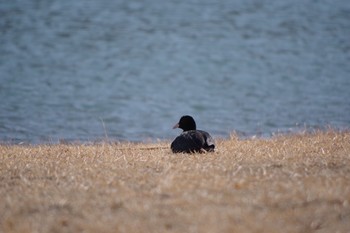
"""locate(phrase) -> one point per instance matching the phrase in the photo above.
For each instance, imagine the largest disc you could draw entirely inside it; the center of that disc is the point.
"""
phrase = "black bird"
(191, 140)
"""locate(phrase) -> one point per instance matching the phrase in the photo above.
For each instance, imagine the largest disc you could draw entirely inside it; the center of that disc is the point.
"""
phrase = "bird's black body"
(191, 140)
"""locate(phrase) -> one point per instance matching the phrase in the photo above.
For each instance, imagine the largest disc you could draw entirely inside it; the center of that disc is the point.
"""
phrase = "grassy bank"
(293, 183)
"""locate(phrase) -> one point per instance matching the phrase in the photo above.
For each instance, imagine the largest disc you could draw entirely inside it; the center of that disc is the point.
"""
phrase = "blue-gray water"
(78, 70)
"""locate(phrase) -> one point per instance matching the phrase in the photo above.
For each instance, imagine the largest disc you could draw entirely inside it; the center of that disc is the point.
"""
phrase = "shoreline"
(110, 140)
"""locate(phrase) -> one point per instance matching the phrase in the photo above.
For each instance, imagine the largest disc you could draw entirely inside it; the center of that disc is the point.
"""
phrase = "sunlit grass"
(288, 183)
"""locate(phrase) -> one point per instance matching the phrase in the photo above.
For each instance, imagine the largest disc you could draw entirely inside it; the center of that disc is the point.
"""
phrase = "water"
(84, 70)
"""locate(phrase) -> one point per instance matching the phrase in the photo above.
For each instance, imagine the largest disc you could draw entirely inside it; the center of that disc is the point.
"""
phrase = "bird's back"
(193, 141)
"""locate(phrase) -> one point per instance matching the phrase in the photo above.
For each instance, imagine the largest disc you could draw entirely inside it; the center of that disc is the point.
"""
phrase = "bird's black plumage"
(191, 140)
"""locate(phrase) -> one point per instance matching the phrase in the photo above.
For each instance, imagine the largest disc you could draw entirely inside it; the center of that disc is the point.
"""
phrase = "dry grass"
(294, 183)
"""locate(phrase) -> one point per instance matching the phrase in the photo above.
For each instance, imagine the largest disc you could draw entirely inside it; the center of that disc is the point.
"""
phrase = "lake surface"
(83, 70)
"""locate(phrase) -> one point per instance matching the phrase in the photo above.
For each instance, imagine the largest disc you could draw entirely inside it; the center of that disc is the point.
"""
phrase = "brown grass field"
(287, 183)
